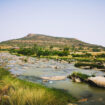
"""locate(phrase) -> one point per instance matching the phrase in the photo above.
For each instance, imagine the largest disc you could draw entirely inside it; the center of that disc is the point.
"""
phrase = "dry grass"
(19, 92)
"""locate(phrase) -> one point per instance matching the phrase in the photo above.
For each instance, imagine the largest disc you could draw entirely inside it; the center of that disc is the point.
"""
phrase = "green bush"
(79, 75)
(101, 56)
(93, 65)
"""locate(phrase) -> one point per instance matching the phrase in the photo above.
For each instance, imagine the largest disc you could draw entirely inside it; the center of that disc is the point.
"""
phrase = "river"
(48, 68)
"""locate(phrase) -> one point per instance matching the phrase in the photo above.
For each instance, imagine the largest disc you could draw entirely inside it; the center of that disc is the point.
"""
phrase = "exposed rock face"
(98, 81)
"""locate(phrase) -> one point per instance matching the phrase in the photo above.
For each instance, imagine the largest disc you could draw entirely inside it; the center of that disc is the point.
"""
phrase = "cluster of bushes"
(79, 75)
(13, 50)
(26, 51)
(38, 51)
(99, 60)
(3, 49)
(94, 65)
(96, 50)
(101, 56)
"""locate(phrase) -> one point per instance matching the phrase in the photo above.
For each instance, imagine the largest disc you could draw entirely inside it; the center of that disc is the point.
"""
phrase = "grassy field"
(14, 91)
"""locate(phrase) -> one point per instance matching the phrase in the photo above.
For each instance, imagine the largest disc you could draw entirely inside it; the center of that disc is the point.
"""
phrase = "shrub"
(94, 65)
(96, 50)
(101, 55)
(79, 75)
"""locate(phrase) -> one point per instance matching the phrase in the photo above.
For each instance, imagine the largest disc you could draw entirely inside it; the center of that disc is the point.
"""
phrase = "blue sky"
(81, 19)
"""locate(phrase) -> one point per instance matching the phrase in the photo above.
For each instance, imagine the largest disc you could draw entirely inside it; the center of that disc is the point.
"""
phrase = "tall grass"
(19, 92)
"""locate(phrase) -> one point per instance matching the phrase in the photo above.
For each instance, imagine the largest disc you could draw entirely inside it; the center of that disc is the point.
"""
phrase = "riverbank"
(14, 91)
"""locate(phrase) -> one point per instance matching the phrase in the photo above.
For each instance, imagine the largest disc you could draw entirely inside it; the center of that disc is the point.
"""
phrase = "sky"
(81, 19)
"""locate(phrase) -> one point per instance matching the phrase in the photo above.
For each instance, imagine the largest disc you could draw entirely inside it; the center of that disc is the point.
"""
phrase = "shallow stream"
(44, 67)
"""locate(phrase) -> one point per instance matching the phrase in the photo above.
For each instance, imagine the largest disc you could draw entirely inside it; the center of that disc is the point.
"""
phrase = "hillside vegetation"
(46, 41)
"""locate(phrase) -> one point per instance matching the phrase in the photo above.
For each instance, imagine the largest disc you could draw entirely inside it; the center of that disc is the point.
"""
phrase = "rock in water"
(83, 100)
(55, 78)
(77, 80)
(98, 81)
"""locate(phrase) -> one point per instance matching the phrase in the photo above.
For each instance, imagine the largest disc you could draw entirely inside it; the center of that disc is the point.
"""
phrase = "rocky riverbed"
(53, 74)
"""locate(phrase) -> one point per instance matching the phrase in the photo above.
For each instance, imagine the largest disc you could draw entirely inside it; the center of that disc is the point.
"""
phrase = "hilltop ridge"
(45, 40)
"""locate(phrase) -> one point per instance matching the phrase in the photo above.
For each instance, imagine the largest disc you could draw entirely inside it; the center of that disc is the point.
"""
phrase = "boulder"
(83, 100)
(98, 81)
(45, 80)
(54, 78)
(77, 80)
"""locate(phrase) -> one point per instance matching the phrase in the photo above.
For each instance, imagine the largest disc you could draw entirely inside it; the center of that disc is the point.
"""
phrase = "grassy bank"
(91, 65)
(14, 91)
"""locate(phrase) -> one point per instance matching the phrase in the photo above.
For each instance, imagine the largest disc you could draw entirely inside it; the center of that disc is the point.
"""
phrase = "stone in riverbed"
(55, 78)
(45, 80)
(77, 80)
(98, 81)
(83, 100)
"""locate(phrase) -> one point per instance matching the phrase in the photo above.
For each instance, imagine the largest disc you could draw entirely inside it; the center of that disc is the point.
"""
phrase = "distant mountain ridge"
(45, 40)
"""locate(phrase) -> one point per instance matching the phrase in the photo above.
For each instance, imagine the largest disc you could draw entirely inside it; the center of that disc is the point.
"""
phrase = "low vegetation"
(91, 65)
(19, 92)
(79, 75)
(85, 59)
(39, 51)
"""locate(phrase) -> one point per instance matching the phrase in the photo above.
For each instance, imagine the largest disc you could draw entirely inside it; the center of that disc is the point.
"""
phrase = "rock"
(86, 67)
(44, 60)
(71, 104)
(25, 67)
(83, 100)
(45, 80)
(55, 67)
(14, 76)
(55, 78)
(6, 97)
(98, 81)
(77, 80)
(63, 61)
(100, 99)
(50, 81)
